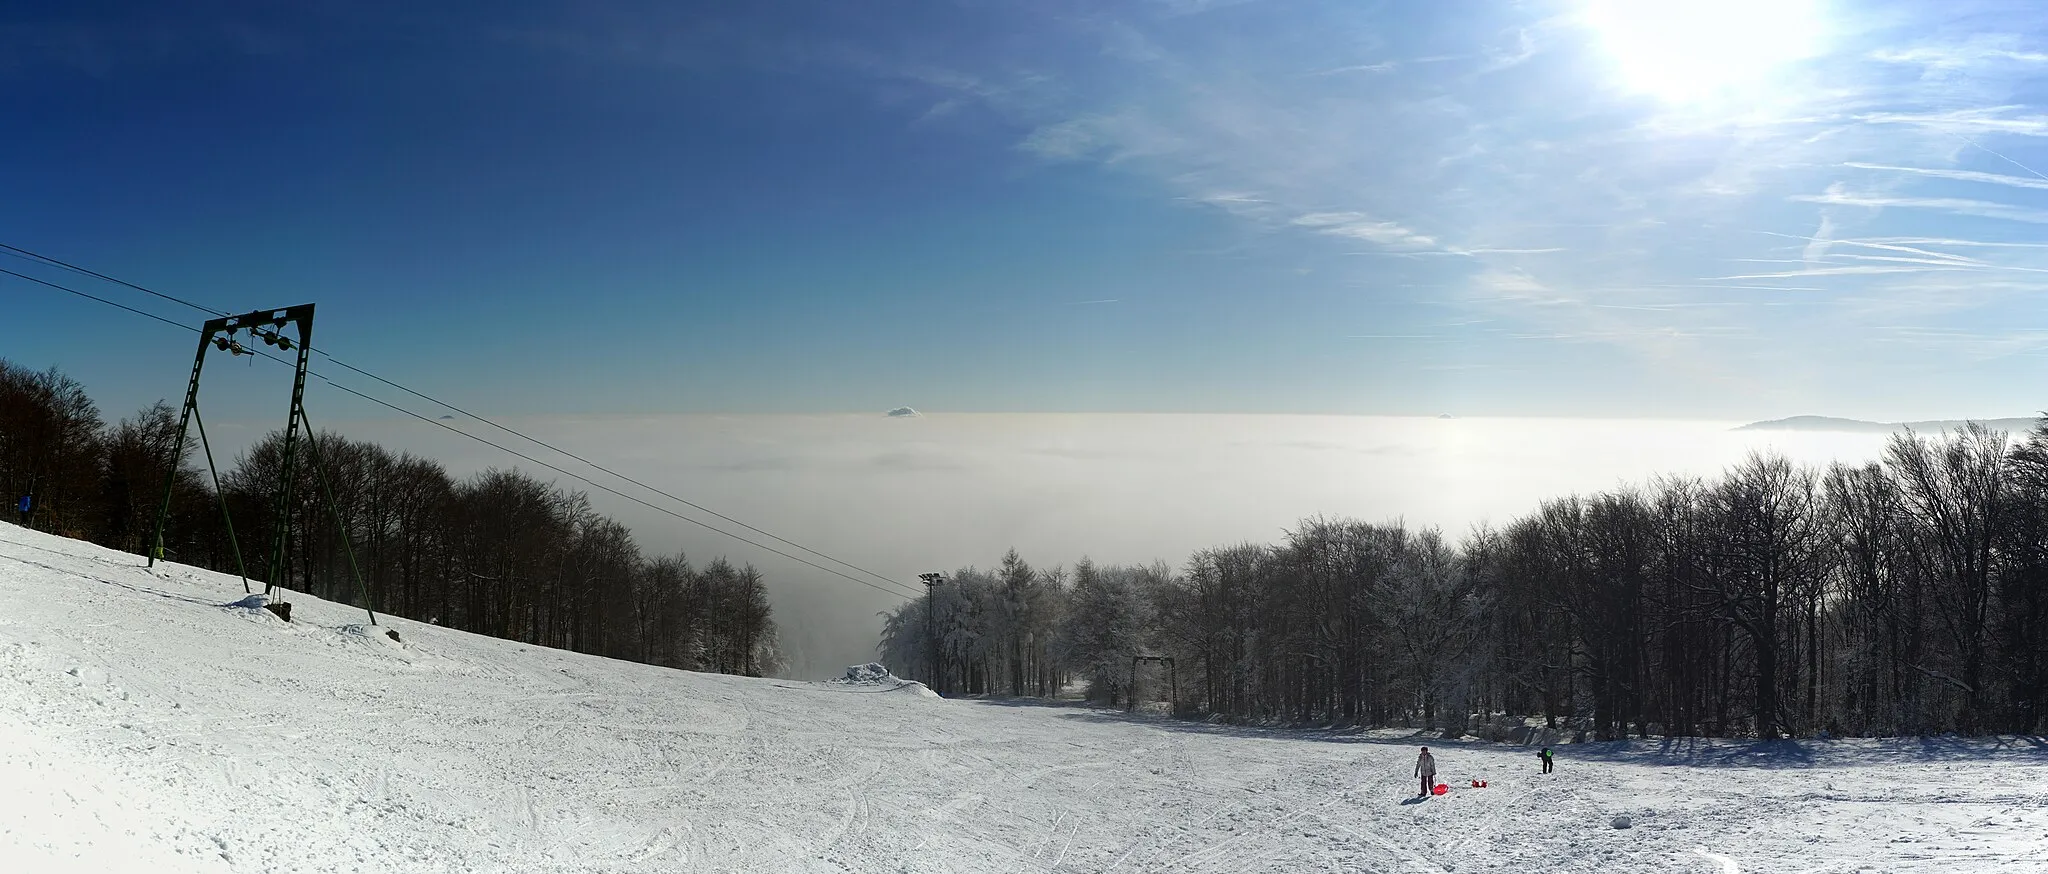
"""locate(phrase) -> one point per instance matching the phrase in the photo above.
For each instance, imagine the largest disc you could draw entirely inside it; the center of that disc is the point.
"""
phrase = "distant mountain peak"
(1860, 426)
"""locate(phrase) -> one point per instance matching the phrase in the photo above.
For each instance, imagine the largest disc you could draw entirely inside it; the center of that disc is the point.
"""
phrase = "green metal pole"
(284, 490)
(163, 510)
(334, 509)
(221, 498)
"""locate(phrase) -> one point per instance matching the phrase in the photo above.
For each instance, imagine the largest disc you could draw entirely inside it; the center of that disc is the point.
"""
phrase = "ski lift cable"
(899, 591)
(24, 253)
(537, 442)
(147, 315)
(514, 452)
(32, 256)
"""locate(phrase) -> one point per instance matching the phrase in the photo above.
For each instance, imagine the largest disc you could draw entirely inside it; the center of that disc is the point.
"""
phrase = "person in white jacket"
(1425, 767)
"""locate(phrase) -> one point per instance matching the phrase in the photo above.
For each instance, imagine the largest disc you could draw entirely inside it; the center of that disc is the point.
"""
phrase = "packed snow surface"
(150, 722)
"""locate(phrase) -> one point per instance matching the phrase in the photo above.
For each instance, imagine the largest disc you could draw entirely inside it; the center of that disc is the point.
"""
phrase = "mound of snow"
(870, 674)
(373, 634)
(877, 675)
(256, 601)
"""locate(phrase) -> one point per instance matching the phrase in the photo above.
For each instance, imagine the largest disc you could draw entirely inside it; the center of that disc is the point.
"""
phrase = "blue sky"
(1737, 209)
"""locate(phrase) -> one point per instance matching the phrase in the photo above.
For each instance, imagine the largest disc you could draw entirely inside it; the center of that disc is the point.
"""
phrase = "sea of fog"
(900, 496)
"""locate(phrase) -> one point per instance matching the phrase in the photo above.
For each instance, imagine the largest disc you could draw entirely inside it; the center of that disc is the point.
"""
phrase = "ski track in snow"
(145, 727)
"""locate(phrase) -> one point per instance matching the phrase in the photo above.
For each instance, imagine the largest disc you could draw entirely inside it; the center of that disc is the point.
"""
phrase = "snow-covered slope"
(144, 727)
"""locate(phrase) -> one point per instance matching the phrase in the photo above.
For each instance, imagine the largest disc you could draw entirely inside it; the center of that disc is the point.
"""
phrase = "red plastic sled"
(1441, 788)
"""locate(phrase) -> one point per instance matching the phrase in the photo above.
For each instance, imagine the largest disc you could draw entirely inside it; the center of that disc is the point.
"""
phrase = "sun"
(1685, 51)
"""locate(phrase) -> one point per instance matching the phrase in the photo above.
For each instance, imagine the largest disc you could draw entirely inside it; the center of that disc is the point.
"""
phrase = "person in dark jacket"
(1425, 767)
(27, 501)
(1545, 756)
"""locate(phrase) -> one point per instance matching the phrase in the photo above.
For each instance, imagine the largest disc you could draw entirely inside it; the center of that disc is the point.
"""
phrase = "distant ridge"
(1831, 423)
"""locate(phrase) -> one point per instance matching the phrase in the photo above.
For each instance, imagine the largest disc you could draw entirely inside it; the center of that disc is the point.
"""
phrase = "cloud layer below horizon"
(903, 496)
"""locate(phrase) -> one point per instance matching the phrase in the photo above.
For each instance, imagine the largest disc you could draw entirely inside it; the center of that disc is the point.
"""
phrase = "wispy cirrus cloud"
(2013, 119)
(1458, 252)
(1820, 245)
(1952, 241)
(1381, 67)
(1359, 226)
(1066, 141)
(1629, 202)
(1970, 53)
(1497, 162)
(1838, 195)
(1958, 175)
(1862, 270)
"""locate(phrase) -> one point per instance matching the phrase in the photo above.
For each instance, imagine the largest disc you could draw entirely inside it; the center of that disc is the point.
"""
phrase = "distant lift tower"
(932, 582)
(1172, 680)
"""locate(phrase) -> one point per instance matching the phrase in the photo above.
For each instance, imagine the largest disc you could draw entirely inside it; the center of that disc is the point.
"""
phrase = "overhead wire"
(147, 315)
(33, 256)
(20, 252)
(538, 442)
(906, 592)
(516, 453)
(894, 588)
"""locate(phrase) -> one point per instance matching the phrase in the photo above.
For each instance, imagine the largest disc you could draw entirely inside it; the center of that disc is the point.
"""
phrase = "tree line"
(1904, 596)
(498, 553)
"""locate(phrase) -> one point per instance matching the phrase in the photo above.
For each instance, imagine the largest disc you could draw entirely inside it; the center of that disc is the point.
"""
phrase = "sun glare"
(1692, 50)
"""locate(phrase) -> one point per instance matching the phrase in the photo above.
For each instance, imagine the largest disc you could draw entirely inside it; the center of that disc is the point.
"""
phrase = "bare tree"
(1954, 490)
(1767, 549)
